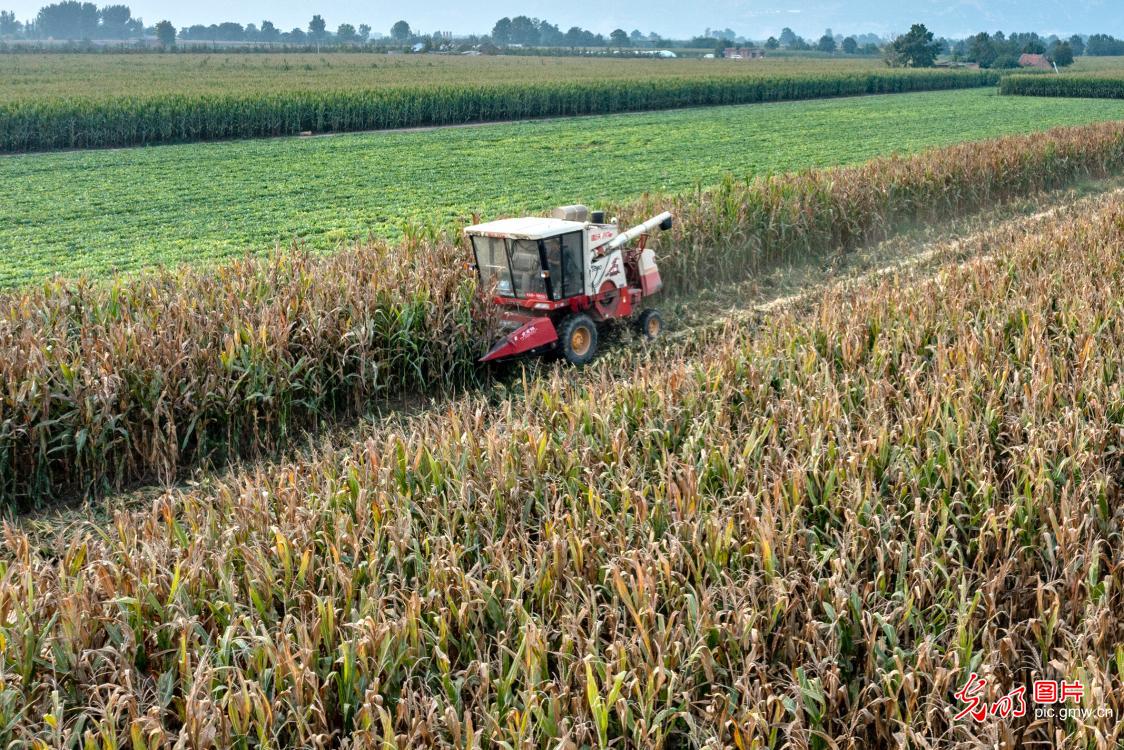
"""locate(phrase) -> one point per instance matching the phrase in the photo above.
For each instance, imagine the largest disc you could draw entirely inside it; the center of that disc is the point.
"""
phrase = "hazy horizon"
(955, 18)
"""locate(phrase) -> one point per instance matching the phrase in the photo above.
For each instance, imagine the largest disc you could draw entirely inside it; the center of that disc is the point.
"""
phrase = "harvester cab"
(558, 278)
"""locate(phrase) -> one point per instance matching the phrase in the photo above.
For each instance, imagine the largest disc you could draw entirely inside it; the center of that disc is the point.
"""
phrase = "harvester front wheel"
(650, 324)
(577, 338)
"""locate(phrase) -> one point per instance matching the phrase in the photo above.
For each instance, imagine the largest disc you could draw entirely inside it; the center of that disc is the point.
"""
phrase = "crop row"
(52, 76)
(139, 380)
(1078, 86)
(30, 125)
(100, 213)
(808, 537)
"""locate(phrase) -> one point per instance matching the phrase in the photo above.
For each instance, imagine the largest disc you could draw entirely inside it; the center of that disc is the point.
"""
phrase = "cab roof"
(526, 228)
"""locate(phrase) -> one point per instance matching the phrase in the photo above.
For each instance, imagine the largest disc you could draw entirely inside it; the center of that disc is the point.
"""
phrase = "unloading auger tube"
(663, 221)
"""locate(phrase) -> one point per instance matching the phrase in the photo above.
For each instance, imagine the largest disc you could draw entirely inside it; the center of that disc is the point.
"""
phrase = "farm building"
(743, 53)
(1035, 61)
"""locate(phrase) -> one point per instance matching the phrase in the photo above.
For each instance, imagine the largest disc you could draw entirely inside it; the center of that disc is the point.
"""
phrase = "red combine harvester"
(557, 278)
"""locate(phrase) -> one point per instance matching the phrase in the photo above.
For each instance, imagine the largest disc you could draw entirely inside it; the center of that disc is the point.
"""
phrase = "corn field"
(107, 386)
(1087, 86)
(805, 535)
(104, 385)
(738, 228)
(76, 122)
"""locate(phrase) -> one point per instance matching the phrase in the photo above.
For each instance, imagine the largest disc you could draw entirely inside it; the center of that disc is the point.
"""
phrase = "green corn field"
(109, 385)
(1085, 85)
(152, 118)
(804, 534)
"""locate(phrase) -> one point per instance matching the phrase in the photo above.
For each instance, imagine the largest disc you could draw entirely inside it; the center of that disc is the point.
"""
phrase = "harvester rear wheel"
(577, 338)
(650, 324)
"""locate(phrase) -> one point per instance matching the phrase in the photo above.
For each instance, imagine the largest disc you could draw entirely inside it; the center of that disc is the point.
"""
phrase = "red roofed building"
(1035, 61)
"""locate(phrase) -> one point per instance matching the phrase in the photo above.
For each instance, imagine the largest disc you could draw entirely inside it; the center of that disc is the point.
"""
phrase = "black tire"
(577, 339)
(650, 324)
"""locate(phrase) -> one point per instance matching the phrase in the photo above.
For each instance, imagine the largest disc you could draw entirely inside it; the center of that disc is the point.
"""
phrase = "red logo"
(1011, 704)
(970, 694)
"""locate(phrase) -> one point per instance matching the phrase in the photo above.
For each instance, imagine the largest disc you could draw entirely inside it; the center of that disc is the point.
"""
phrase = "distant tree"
(401, 32)
(345, 34)
(981, 50)
(9, 26)
(850, 45)
(1077, 43)
(870, 48)
(619, 38)
(166, 33)
(788, 37)
(550, 35)
(635, 36)
(296, 36)
(575, 37)
(317, 29)
(913, 50)
(501, 32)
(1103, 45)
(268, 32)
(251, 33)
(364, 32)
(772, 43)
(579, 37)
(68, 20)
(1063, 54)
(115, 22)
(524, 31)
(230, 32)
(826, 43)
(1005, 62)
(1034, 46)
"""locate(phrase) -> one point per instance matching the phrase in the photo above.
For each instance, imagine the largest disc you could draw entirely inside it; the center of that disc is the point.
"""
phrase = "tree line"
(1000, 51)
(77, 20)
(862, 44)
(74, 20)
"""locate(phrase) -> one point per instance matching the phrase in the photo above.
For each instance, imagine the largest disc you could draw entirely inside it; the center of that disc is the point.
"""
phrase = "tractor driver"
(553, 246)
(563, 260)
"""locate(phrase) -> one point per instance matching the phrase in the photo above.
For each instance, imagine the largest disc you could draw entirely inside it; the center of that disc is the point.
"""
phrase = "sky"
(756, 19)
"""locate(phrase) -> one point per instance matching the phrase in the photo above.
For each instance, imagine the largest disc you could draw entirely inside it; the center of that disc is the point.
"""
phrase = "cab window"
(526, 267)
(492, 264)
(564, 261)
(573, 278)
